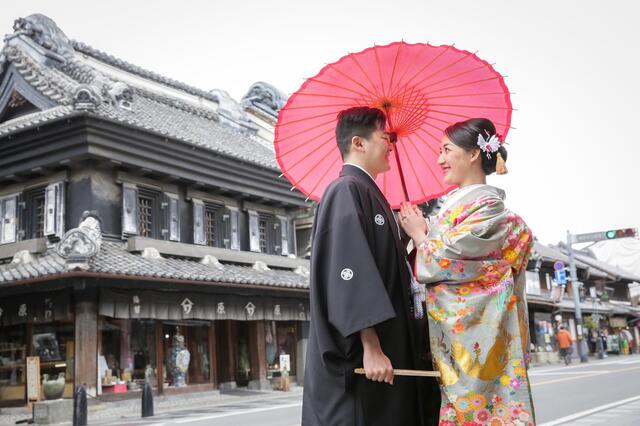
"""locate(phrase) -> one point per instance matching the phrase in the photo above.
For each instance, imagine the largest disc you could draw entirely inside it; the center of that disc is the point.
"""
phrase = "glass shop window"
(13, 348)
(280, 339)
(187, 358)
(127, 354)
(54, 344)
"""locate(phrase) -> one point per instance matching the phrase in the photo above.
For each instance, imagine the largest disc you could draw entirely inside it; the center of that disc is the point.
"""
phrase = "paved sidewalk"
(99, 411)
(575, 360)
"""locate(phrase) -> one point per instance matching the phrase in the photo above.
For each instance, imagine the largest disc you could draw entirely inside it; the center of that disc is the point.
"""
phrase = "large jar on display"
(179, 358)
(53, 389)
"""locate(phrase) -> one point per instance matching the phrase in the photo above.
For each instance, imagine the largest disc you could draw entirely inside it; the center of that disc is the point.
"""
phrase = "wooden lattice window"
(211, 227)
(263, 224)
(145, 215)
(38, 216)
(34, 213)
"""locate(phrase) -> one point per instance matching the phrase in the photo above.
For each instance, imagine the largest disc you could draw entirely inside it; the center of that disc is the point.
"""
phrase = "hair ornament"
(489, 145)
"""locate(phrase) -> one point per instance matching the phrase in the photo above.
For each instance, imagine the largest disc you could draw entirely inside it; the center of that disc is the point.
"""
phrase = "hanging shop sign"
(181, 306)
(35, 308)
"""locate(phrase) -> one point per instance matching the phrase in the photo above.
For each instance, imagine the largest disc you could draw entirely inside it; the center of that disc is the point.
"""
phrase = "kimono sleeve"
(475, 236)
(517, 247)
(355, 295)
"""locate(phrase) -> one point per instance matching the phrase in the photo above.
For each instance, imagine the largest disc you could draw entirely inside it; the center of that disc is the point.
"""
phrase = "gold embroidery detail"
(462, 361)
(448, 376)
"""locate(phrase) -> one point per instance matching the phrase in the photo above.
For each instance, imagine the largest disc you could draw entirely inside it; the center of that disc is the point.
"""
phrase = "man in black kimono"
(360, 293)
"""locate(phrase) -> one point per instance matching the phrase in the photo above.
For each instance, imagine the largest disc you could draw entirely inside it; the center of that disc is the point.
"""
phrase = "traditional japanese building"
(146, 234)
(604, 300)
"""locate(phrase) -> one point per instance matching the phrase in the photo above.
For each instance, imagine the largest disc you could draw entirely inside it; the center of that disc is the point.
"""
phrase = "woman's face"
(456, 163)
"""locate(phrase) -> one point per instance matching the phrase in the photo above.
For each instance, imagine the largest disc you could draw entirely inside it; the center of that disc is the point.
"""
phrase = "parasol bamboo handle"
(401, 372)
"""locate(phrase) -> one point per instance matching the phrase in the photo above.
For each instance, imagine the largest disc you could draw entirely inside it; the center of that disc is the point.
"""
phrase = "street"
(598, 392)
(560, 392)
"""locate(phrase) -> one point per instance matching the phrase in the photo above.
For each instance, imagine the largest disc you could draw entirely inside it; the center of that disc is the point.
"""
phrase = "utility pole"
(596, 321)
(575, 284)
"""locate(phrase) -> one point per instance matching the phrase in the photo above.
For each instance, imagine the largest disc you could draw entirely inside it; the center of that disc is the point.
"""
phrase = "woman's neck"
(474, 179)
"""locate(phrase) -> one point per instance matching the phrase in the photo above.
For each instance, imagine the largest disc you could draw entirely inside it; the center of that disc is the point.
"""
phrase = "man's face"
(377, 148)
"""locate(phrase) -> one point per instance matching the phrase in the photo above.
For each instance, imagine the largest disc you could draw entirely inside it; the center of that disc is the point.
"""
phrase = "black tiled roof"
(134, 69)
(114, 259)
(155, 110)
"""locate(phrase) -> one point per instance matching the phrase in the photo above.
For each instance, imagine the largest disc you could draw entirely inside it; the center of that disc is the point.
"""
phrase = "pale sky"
(574, 67)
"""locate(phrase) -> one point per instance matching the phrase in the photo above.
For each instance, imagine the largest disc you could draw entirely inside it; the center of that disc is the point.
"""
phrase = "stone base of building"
(53, 412)
(227, 386)
(545, 357)
(262, 384)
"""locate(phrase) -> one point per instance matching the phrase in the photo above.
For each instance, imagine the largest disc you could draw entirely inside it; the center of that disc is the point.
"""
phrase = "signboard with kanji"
(33, 378)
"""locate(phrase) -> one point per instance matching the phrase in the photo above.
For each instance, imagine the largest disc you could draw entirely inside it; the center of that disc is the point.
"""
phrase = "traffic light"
(622, 233)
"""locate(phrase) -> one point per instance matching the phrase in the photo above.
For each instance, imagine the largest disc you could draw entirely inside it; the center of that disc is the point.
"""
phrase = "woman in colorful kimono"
(472, 257)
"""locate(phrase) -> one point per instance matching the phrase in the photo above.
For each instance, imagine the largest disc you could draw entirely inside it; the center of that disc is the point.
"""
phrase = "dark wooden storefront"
(131, 330)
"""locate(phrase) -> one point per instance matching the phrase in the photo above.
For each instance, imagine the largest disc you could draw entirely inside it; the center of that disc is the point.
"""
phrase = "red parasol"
(422, 88)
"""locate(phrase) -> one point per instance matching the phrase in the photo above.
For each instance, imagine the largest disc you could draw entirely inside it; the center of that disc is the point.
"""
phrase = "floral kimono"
(473, 263)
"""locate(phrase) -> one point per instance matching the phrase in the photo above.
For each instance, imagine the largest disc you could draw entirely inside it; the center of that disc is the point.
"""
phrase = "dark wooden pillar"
(28, 335)
(86, 341)
(258, 356)
(226, 355)
(159, 357)
(213, 358)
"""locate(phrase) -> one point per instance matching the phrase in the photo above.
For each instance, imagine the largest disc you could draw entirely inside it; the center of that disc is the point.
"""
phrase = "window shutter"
(129, 209)
(284, 232)
(254, 231)
(173, 216)
(8, 216)
(225, 226)
(21, 217)
(198, 222)
(54, 198)
(234, 217)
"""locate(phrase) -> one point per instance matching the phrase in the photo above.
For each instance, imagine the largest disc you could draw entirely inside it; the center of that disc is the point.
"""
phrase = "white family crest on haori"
(346, 274)
(379, 219)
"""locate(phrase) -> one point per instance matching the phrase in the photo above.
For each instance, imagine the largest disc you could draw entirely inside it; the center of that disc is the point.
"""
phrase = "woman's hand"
(413, 222)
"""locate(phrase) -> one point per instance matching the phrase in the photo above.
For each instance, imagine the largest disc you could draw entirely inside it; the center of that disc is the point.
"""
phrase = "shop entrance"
(233, 352)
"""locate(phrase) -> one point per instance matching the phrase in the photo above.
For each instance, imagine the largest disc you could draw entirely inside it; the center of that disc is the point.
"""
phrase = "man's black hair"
(357, 121)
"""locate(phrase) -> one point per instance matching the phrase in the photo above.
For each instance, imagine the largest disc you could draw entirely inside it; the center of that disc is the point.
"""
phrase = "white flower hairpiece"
(490, 144)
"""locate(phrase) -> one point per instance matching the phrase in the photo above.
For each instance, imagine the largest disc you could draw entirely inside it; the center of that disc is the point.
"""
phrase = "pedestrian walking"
(564, 342)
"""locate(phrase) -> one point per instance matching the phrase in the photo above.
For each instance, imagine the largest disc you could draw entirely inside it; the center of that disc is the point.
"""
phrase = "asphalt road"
(605, 392)
(561, 391)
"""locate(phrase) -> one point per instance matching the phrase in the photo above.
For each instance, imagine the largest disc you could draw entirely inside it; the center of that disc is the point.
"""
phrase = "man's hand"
(377, 366)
